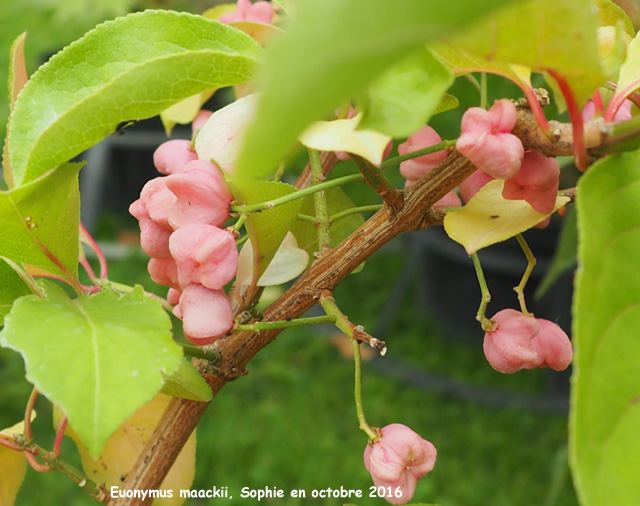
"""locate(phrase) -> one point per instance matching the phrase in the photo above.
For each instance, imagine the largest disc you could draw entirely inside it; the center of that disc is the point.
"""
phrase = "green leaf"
(629, 71)
(185, 382)
(12, 286)
(17, 79)
(462, 62)
(39, 222)
(269, 227)
(337, 201)
(127, 69)
(489, 218)
(605, 412)
(331, 51)
(559, 35)
(401, 101)
(610, 14)
(99, 357)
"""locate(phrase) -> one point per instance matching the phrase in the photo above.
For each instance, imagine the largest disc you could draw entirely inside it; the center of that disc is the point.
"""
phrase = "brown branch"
(389, 194)
(182, 416)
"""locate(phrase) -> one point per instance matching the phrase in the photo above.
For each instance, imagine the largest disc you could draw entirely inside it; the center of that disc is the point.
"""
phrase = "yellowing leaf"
(184, 111)
(125, 444)
(18, 428)
(489, 218)
(341, 135)
(13, 466)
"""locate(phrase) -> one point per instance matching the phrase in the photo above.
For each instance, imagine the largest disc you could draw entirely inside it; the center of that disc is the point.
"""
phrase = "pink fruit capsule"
(204, 254)
(398, 460)
(172, 155)
(206, 314)
(202, 197)
(486, 139)
(415, 168)
(537, 182)
(509, 347)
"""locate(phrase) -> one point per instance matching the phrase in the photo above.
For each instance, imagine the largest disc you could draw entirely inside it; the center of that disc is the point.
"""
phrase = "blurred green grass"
(291, 422)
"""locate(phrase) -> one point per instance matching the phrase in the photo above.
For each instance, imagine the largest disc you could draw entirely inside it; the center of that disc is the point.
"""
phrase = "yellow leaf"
(13, 466)
(184, 111)
(489, 218)
(341, 135)
(125, 444)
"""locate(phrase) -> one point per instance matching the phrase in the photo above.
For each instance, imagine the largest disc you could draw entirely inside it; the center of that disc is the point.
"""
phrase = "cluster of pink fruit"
(180, 216)
(487, 141)
(517, 341)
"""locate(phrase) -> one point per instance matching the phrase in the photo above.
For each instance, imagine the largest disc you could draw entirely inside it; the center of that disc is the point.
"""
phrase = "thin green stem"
(342, 214)
(284, 324)
(242, 240)
(441, 146)
(196, 351)
(307, 217)
(484, 100)
(330, 307)
(472, 79)
(486, 323)
(54, 462)
(355, 210)
(261, 206)
(235, 228)
(320, 203)
(531, 262)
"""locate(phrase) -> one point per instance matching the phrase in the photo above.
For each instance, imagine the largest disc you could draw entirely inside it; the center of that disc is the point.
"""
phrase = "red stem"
(10, 443)
(598, 104)
(94, 246)
(577, 124)
(33, 462)
(536, 109)
(57, 444)
(28, 434)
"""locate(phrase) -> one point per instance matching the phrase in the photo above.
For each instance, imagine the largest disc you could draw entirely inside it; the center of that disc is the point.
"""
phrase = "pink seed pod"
(470, 186)
(553, 344)
(172, 155)
(137, 210)
(202, 197)
(206, 314)
(398, 460)
(154, 239)
(260, 12)
(173, 296)
(509, 347)
(415, 168)
(205, 255)
(200, 119)
(157, 200)
(163, 271)
(486, 139)
(537, 182)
